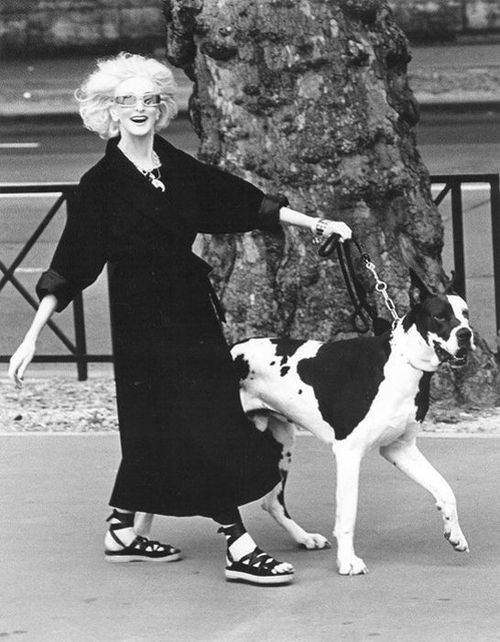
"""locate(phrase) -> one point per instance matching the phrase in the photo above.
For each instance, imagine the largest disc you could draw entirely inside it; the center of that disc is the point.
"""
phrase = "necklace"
(152, 174)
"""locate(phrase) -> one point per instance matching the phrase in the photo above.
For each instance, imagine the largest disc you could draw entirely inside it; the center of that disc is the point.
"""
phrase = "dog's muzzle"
(459, 359)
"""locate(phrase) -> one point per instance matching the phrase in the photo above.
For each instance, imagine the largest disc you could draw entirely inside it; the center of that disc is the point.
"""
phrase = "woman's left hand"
(334, 227)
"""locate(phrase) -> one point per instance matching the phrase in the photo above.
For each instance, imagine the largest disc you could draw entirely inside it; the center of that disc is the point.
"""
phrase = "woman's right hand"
(20, 360)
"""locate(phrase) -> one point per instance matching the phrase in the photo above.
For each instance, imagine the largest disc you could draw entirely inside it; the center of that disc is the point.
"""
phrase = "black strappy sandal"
(141, 549)
(256, 567)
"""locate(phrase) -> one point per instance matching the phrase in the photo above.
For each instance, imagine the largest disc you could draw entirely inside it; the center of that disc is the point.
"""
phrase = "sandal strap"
(259, 559)
(125, 520)
(145, 545)
(232, 532)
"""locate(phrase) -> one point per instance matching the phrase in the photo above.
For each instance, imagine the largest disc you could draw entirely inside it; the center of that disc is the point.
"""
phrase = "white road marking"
(28, 270)
(19, 145)
(29, 195)
(466, 187)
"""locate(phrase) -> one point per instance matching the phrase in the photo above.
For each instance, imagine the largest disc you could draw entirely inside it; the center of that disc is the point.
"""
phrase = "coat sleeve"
(230, 204)
(80, 254)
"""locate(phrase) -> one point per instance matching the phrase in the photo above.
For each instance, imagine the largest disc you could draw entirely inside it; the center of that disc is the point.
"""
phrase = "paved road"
(56, 586)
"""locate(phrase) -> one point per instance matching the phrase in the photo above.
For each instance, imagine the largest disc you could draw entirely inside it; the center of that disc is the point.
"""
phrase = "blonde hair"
(95, 95)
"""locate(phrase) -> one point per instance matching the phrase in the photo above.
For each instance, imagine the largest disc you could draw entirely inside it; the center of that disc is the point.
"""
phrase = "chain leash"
(381, 287)
(327, 247)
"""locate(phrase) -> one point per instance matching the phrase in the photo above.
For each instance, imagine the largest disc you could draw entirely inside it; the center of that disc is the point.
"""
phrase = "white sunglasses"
(130, 100)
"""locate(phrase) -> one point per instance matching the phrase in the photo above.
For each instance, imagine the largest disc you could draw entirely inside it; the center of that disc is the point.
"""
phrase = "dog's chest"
(402, 399)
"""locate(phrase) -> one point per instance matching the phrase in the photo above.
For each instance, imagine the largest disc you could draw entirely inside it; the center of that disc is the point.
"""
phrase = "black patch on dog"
(300, 392)
(284, 370)
(422, 396)
(242, 367)
(286, 348)
(434, 314)
(345, 377)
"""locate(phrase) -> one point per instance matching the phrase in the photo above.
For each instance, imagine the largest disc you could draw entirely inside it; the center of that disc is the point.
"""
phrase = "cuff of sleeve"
(269, 211)
(51, 282)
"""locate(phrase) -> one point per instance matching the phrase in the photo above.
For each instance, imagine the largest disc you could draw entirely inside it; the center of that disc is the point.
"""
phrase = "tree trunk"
(310, 98)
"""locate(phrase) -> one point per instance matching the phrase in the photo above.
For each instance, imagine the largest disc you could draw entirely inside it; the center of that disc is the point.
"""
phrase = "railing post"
(79, 319)
(495, 233)
(458, 236)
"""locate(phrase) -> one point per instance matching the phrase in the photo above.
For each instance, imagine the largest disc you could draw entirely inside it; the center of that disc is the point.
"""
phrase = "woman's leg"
(245, 561)
(123, 544)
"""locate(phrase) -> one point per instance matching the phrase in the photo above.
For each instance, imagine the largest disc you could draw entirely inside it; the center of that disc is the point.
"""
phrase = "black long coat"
(187, 447)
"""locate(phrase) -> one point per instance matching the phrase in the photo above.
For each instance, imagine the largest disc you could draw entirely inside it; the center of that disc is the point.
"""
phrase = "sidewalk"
(56, 586)
(439, 75)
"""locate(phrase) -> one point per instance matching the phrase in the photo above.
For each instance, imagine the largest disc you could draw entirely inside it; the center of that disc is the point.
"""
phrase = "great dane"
(356, 395)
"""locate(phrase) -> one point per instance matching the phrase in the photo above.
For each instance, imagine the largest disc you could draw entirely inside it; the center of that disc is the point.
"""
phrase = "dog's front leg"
(408, 458)
(348, 463)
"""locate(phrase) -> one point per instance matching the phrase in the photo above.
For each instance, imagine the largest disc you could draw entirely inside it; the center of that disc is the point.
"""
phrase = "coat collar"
(167, 209)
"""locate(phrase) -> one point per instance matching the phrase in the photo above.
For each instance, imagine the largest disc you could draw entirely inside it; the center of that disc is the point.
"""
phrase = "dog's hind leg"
(407, 457)
(274, 502)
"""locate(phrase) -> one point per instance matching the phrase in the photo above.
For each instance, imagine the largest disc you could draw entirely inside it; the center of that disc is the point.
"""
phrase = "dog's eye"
(439, 318)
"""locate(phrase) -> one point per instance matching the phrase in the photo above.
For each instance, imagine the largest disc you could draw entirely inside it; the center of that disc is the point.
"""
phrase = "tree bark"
(310, 98)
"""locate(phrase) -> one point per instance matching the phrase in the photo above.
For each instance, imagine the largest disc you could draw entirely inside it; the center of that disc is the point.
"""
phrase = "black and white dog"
(356, 395)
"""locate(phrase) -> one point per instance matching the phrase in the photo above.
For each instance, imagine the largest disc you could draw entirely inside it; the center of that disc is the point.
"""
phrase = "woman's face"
(135, 107)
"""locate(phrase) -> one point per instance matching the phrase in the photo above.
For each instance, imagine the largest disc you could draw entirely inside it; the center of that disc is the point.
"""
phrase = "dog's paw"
(314, 541)
(352, 566)
(457, 540)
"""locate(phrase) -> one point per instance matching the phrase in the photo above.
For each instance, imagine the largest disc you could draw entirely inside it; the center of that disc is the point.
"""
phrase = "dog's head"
(442, 320)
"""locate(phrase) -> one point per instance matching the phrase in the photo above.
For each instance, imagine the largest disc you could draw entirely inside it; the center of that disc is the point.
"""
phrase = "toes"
(459, 543)
(314, 541)
(355, 567)
(283, 567)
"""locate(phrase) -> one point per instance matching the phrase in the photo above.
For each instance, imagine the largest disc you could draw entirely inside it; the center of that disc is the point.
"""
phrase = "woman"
(187, 448)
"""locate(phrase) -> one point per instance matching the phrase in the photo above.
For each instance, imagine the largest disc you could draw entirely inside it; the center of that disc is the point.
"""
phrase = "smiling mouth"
(458, 360)
(139, 119)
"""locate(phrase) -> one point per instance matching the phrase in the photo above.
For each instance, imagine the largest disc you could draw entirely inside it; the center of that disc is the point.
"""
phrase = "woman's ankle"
(120, 533)
(238, 541)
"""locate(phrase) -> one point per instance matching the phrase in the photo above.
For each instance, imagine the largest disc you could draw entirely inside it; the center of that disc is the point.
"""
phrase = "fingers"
(19, 361)
(15, 373)
(19, 376)
(344, 231)
(340, 228)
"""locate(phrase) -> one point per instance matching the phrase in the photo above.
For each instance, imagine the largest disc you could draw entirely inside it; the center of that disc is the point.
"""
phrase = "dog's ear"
(452, 287)
(418, 290)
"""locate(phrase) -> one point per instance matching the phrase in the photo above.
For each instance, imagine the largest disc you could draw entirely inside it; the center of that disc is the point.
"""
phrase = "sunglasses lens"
(128, 100)
(151, 99)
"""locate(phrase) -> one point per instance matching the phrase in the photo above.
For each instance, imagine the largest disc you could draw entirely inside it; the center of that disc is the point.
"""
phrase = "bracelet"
(321, 226)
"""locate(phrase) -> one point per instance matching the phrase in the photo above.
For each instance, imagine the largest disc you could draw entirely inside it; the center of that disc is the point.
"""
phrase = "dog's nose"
(464, 335)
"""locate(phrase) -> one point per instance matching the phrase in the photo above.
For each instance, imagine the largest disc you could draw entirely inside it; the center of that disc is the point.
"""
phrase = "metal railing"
(453, 186)
(77, 348)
